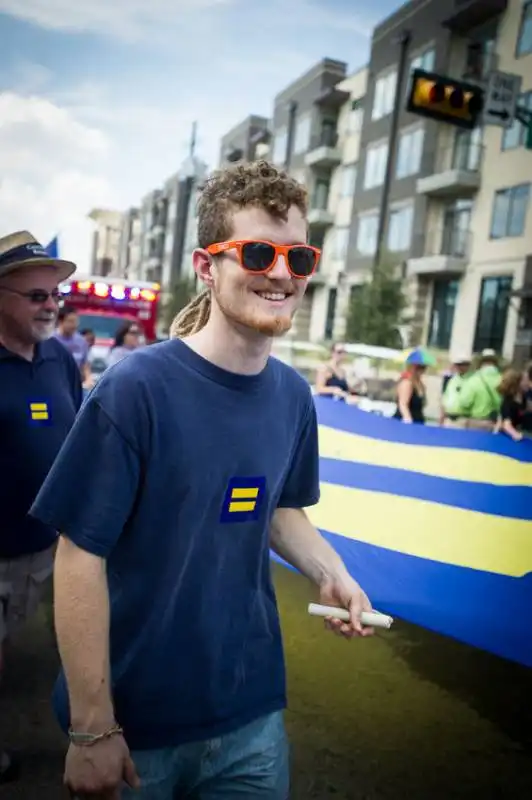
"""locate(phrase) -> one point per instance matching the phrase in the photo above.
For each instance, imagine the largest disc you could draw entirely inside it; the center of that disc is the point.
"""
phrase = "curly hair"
(252, 185)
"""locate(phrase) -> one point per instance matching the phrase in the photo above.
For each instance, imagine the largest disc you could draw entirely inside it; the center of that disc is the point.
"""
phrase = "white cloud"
(125, 19)
(135, 20)
(52, 172)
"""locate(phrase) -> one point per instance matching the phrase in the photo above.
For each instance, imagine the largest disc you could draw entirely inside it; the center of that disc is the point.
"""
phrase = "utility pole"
(404, 43)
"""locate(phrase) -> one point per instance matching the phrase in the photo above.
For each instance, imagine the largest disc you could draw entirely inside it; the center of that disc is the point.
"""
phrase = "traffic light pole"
(404, 43)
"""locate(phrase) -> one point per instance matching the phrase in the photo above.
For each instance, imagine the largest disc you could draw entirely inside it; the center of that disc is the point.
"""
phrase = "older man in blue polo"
(39, 400)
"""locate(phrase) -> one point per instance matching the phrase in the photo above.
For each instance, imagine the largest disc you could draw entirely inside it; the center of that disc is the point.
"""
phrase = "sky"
(97, 98)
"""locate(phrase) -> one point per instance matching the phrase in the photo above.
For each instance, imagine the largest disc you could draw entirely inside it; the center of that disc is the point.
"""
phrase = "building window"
(516, 135)
(367, 233)
(492, 313)
(456, 232)
(467, 149)
(444, 296)
(302, 134)
(341, 242)
(328, 136)
(279, 146)
(524, 41)
(320, 197)
(331, 313)
(410, 152)
(425, 60)
(400, 228)
(356, 117)
(510, 208)
(376, 158)
(349, 179)
(384, 97)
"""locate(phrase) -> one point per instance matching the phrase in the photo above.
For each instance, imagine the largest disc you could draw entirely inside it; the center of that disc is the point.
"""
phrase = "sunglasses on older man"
(36, 296)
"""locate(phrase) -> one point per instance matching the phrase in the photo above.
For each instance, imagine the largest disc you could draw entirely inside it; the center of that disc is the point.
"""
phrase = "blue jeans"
(249, 763)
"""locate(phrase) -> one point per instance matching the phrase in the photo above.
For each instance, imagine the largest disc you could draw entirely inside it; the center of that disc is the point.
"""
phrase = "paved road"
(406, 715)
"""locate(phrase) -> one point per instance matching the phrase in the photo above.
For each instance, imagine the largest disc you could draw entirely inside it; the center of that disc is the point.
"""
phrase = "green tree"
(376, 308)
(179, 295)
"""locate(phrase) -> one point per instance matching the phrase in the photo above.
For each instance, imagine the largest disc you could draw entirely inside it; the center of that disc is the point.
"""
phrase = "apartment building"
(331, 295)
(456, 220)
(164, 218)
(305, 141)
(492, 291)
(247, 141)
(105, 257)
(129, 256)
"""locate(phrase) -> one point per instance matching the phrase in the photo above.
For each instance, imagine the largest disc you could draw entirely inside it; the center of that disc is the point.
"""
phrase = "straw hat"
(20, 250)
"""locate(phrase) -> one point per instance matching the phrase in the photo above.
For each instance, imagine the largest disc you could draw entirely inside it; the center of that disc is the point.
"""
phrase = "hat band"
(23, 252)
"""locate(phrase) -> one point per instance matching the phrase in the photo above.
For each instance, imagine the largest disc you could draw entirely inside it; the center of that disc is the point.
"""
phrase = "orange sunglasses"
(260, 257)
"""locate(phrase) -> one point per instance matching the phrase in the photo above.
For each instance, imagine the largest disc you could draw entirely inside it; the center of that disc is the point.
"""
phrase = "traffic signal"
(444, 99)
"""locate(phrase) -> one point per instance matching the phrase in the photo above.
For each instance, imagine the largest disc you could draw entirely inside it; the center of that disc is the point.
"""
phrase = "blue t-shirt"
(183, 465)
(38, 404)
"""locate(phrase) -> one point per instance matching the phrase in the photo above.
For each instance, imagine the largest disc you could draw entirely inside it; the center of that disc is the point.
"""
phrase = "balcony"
(469, 14)
(444, 252)
(456, 172)
(324, 151)
(320, 218)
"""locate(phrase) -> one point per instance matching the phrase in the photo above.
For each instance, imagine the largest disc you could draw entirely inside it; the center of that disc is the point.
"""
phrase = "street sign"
(501, 98)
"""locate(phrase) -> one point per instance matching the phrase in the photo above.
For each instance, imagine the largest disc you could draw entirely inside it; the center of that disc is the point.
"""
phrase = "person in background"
(480, 401)
(527, 413)
(195, 457)
(76, 344)
(450, 403)
(89, 336)
(411, 392)
(39, 398)
(127, 340)
(513, 388)
(331, 378)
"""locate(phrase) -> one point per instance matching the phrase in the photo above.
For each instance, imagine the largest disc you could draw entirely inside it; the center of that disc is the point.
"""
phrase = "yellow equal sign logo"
(39, 412)
(243, 499)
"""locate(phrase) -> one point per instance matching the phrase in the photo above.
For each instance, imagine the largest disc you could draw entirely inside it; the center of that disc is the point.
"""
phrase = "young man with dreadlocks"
(197, 455)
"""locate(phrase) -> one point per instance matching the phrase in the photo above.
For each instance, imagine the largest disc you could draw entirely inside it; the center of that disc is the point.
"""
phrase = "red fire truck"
(104, 304)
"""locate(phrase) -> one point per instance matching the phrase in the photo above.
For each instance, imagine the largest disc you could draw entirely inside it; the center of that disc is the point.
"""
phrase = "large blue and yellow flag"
(436, 524)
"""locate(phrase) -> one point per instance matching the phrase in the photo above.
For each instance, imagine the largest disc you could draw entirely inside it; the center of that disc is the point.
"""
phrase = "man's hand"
(345, 593)
(101, 770)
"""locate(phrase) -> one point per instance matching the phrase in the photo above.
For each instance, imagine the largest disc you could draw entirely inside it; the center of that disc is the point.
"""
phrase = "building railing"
(325, 138)
(450, 239)
(461, 155)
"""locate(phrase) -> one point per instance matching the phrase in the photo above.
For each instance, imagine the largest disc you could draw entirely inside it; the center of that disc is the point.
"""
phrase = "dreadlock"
(258, 184)
(193, 317)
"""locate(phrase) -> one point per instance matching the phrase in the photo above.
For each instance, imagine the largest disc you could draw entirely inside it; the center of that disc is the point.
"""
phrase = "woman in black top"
(513, 387)
(411, 395)
(331, 380)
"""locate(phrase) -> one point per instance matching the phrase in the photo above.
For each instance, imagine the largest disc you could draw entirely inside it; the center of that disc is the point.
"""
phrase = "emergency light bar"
(115, 291)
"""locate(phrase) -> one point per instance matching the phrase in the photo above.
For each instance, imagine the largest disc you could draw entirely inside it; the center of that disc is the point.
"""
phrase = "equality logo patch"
(40, 412)
(243, 499)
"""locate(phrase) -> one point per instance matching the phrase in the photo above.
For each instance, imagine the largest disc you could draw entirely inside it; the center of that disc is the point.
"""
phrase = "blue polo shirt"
(183, 465)
(39, 400)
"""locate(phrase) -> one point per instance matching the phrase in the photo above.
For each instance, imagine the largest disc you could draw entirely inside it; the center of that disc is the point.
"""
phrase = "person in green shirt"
(480, 401)
(461, 372)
